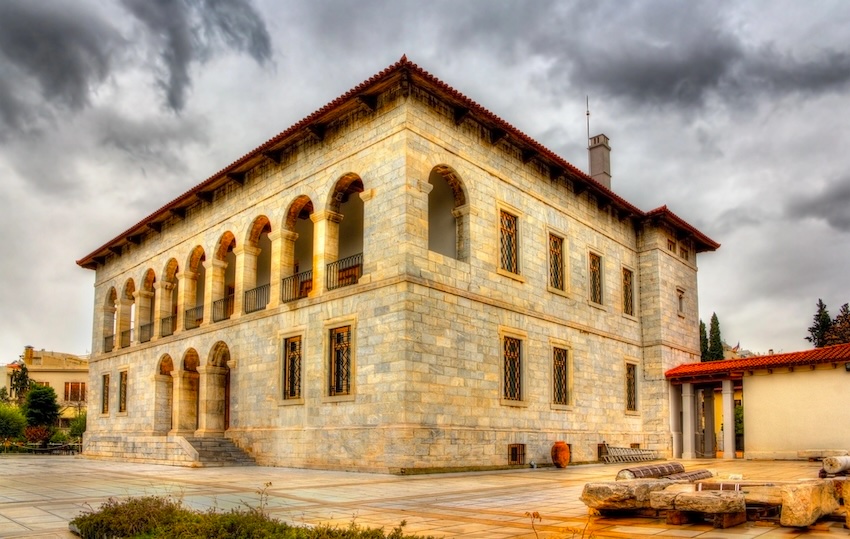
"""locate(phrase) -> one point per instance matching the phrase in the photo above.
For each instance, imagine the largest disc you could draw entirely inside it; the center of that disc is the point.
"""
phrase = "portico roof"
(730, 369)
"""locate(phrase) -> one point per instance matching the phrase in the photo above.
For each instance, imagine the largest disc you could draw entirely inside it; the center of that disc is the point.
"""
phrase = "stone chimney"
(600, 159)
(28, 355)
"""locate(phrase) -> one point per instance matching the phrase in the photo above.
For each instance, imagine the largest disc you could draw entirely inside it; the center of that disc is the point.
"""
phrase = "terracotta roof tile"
(839, 353)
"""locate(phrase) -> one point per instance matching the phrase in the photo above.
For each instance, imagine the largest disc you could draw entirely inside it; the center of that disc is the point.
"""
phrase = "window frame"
(633, 366)
(564, 291)
(69, 391)
(629, 294)
(284, 338)
(123, 389)
(329, 327)
(590, 280)
(521, 336)
(104, 393)
(518, 239)
(680, 301)
(554, 346)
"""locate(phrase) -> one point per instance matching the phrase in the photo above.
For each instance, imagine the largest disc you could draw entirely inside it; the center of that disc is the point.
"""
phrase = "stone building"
(400, 282)
(67, 374)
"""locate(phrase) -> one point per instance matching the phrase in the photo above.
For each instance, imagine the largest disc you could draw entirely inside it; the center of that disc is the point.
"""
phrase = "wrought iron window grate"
(292, 368)
(556, 262)
(340, 361)
(513, 369)
(595, 278)
(561, 372)
(509, 242)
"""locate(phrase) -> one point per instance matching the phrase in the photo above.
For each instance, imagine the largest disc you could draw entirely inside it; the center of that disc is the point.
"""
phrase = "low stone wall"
(171, 450)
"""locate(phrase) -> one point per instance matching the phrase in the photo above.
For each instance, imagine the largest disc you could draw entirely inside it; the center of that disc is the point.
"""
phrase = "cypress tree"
(715, 343)
(703, 342)
(820, 327)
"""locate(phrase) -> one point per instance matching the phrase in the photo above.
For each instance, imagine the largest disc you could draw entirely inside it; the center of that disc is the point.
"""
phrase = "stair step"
(220, 452)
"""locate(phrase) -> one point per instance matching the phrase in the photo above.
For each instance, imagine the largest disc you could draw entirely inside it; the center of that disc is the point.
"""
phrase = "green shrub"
(155, 517)
(59, 437)
(12, 422)
(78, 425)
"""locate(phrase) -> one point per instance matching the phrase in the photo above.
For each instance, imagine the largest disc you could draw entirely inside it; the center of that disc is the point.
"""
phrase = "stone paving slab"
(40, 494)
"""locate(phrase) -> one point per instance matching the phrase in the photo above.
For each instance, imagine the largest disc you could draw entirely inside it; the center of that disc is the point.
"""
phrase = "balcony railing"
(166, 325)
(126, 338)
(345, 271)
(108, 343)
(194, 317)
(222, 308)
(296, 287)
(145, 332)
(256, 299)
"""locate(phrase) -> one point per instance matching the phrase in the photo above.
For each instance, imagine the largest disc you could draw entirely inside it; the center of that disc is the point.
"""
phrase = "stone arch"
(109, 322)
(448, 213)
(224, 277)
(297, 250)
(226, 244)
(193, 284)
(346, 186)
(257, 265)
(345, 259)
(299, 209)
(164, 395)
(214, 404)
(186, 395)
(168, 298)
(127, 313)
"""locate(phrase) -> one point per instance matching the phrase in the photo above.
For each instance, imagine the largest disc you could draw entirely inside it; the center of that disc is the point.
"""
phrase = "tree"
(820, 327)
(715, 343)
(41, 407)
(703, 342)
(20, 382)
(839, 331)
(12, 422)
(78, 426)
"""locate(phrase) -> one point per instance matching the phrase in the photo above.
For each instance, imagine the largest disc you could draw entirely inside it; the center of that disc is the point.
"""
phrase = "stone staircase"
(214, 452)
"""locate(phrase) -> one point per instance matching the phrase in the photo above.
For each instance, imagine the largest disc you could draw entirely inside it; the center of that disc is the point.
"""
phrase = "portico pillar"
(184, 419)
(214, 286)
(688, 422)
(188, 290)
(211, 401)
(246, 275)
(108, 327)
(282, 262)
(708, 410)
(728, 420)
(125, 311)
(144, 309)
(162, 306)
(325, 247)
(461, 215)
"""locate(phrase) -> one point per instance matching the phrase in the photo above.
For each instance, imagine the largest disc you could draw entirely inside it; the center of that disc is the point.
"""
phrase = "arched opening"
(127, 313)
(298, 250)
(186, 395)
(110, 320)
(224, 278)
(447, 214)
(257, 266)
(163, 395)
(214, 397)
(147, 301)
(193, 291)
(347, 266)
(169, 294)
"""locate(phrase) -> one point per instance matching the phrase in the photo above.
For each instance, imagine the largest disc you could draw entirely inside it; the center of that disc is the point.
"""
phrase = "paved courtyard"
(39, 495)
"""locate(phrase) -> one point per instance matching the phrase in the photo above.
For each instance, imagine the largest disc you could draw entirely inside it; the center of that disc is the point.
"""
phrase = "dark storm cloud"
(185, 33)
(61, 53)
(831, 204)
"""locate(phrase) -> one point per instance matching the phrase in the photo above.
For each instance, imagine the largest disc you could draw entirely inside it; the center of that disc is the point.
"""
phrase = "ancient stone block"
(712, 501)
(804, 503)
(621, 495)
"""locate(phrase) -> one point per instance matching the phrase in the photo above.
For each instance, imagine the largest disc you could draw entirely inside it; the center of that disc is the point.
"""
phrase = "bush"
(37, 435)
(154, 517)
(59, 437)
(78, 426)
(12, 422)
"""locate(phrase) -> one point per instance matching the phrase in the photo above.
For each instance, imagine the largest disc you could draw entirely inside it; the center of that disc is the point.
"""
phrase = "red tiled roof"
(375, 84)
(734, 368)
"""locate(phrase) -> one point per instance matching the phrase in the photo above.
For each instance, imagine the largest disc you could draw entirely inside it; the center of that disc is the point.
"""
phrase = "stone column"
(214, 286)
(125, 307)
(108, 326)
(728, 420)
(688, 422)
(461, 214)
(144, 299)
(211, 401)
(283, 247)
(708, 407)
(675, 399)
(246, 275)
(162, 306)
(325, 246)
(186, 297)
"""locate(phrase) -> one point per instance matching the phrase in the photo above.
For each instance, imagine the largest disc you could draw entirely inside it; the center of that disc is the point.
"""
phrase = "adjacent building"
(400, 282)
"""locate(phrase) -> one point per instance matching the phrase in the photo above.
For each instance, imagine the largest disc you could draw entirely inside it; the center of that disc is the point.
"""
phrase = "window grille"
(340, 362)
(122, 391)
(75, 391)
(628, 292)
(631, 387)
(516, 453)
(513, 369)
(556, 262)
(104, 400)
(561, 373)
(595, 278)
(292, 368)
(509, 242)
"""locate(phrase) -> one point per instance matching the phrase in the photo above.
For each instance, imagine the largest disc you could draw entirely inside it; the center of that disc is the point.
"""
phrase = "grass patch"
(154, 517)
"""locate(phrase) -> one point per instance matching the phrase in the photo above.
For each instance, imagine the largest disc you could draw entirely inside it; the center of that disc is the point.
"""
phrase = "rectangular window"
(680, 301)
(75, 392)
(671, 245)
(104, 394)
(122, 391)
(595, 278)
(509, 236)
(513, 369)
(631, 387)
(561, 376)
(628, 292)
(339, 373)
(684, 253)
(556, 262)
(291, 382)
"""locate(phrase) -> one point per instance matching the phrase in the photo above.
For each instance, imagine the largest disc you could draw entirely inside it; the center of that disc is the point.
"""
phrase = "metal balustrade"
(145, 332)
(108, 343)
(296, 286)
(222, 308)
(126, 338)
(345, 271)
(166, 325)
(194, 317)
(256, 299)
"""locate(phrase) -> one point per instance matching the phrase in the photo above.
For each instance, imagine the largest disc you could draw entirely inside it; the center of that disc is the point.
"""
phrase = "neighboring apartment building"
(67, 374)
(402, 281)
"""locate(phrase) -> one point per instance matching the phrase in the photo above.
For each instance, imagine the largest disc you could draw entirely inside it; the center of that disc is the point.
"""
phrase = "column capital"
(328, 215)
(283, 233)
(247, 249)
(423, 186)
(142, 294)
(191, 275)
(215, 263)
(164, 285)
(367, 195)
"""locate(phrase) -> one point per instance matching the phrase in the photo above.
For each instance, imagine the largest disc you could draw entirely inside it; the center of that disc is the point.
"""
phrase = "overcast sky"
(734, 114)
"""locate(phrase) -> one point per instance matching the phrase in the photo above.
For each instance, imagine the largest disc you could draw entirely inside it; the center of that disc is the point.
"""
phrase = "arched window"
(146, 303)
(110, 320)
(127, 314)
(169, 295)
(347, 267)
(193, 291)
(224, 278)
(298, 251)
(447, 214)
(258, 266)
